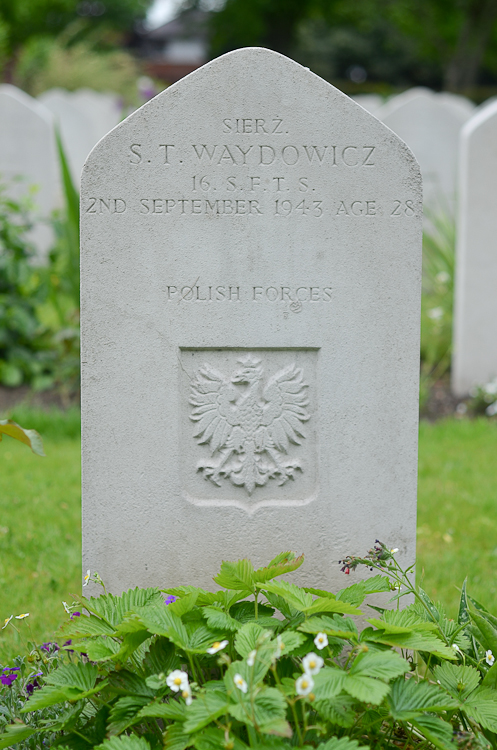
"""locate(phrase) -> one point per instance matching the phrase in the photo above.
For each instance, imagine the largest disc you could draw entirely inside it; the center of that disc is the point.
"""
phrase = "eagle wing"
(285, 409)
(212, 397)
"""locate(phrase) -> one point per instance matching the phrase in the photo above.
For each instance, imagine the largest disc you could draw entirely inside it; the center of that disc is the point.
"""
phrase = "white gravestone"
(371, 102)
(103, 109)
(76, 128)
(430, 126)
(251, 260)
(27, 151)
(475, 311)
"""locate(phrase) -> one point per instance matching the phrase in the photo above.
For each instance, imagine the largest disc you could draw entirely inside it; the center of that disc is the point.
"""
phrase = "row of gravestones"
(251, 277)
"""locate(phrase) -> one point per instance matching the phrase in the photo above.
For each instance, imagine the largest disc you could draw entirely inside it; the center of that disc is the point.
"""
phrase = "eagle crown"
(250, 372)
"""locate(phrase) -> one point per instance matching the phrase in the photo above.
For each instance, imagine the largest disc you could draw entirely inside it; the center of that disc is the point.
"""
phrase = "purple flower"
(49, 646)
(8, 679)
(32, 686)
(170, 599)
(75, 614)
(68, 643)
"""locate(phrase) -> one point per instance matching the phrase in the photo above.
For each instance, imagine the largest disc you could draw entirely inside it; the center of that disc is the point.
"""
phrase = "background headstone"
(76, 128)
(475, 312)
(430, 126)
(103, 109)
(27, 150)
(371, 102)
(251, 263)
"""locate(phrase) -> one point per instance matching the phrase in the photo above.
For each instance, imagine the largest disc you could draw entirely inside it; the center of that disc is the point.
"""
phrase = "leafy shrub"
(266, 664)
(484, 398)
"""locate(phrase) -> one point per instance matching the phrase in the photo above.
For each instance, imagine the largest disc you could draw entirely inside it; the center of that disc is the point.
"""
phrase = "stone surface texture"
(475, 310)
(27, 151)
(251, 263)
(430, 125)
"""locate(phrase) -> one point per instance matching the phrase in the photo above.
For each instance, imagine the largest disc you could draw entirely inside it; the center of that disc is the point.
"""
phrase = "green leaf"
(280, 604)
(249, 637)
(344, 743)
(438, 732)
(124, 713)
(172, 711)
(205, 708)
(216, 618)
(291, 641)
(356, 593)
(124, 743)
(490, 679)
(203, 597)
(386, 665)
(124, 682)
(325, 604)
(366, 689)
(113, 609)
(409, 698)
(279, 727)
(268, 705)
(160, 620)
(183, 605)
(463, 617)
(285, 562)
(84, 625)
(338, 627)
(81, 676)
(482, 707)
(429, 604)
(200, 638)
(292, 594)
(15, 733)
(338, 709)
(460, 681)
(487, 630)
(245, 612)
(102, 649)
(328, 683)
(29, 437)
(176, 739)
(161, 657)
(214, 739)
(49, 695)
(238, 575)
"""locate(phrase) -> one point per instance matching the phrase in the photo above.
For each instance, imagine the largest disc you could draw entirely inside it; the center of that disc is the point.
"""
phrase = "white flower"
(456, 647)
(436, 313)
(6, 622)
(489, 657)
(394, 550)
(251, 658)
(321, 641)
(217, 646)
(312, 663)
(187, 695)
(21, 617)
(240, 683)
(177, 680)
(86, 579)
(304, 684)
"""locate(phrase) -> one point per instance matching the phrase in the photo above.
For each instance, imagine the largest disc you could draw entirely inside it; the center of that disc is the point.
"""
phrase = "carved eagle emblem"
(248, 423)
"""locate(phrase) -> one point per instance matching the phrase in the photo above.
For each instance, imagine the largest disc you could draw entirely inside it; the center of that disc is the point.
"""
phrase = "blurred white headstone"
(103, 109)
(27, 151)
(251, 265)
(75, 126)
(431, 128)
(475, 312)
(371, 102)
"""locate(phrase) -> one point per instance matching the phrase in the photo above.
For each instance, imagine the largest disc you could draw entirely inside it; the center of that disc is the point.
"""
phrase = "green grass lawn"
(40, 527)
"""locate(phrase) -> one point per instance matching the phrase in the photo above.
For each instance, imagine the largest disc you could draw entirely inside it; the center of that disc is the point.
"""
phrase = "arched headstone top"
(251, 265)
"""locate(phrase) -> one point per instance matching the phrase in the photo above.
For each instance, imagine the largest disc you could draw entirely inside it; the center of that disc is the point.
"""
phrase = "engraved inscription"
(249, 424)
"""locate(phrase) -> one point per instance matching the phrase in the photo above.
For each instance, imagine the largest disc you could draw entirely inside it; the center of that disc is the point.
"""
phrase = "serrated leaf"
(81, 676)
(295, 596)
(176, 739)
(124, 713)
(278, 727)
(325, 604)
(438, 732)
(216, 618)
(238, 575)
(356, 593)
(172, 711)
(286, 562)
(214, 739)
(291, 641)
(203, 597)
(161, 657)
(366, 689)
(15, 733)
(205, 708)
(101, 649)
(490, 679)
(201, 638)
(463, 617)
(488, 632)
(280, 604)
(409, 698)
(482, 707)
(184, 604)
(328, 683)
(336, 627)
(434, 612)
(344, 743)
(49, 695)
(245, 612)
(267, 706)
(338, 709)
(416, 641)
(124, 743)
(249, 637)
(386, 665)
(29, 437)
(160, 620)
(113, 608)
(86, 625)
(460, 681)
(125, 682)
